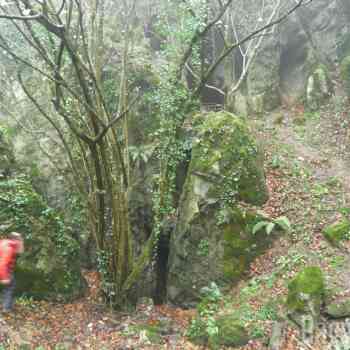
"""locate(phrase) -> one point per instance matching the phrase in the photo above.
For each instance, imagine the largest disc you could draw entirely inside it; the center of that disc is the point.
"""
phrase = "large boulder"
(305, 297)
(49, 267)
(286, 63)
(213, 240)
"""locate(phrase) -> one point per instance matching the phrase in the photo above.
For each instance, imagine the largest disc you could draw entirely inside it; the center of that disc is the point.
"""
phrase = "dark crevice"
(162, 268)
(168, 229)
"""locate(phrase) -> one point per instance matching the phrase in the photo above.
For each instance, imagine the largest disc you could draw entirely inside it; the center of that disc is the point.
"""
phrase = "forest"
(179, 171)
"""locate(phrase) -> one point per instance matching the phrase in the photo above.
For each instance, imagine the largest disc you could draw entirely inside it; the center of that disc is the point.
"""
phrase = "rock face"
(263, 79)
(213, 239)
(287, 65)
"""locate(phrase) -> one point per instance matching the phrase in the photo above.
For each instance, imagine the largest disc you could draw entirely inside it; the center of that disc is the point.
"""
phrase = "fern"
(281, 222)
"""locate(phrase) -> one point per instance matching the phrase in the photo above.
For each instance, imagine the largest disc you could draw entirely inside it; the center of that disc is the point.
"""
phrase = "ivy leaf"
(270, 227)
(284, 223)
(257, 227)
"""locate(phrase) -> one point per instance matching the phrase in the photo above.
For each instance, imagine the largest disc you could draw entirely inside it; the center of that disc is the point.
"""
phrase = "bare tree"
(66, 40)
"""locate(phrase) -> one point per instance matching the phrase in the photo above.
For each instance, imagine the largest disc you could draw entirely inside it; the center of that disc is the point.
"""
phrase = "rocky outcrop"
(213, 239)
(286, 68)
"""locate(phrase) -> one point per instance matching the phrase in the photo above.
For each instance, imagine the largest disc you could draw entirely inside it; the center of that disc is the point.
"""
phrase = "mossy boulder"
(49, 268)
(227, 158)
(345, 73)
(319, 88)
(306, 292)
(213, 240)
(230, 333)
(337, 232)
(339, 309)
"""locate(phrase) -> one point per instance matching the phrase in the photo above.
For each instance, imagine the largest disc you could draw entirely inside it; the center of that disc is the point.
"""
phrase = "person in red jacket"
(9, 249)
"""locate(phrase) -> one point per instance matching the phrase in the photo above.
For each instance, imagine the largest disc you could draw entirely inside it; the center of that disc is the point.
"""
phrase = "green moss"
(339, 309)
(240, 245)
(49, 266)
(345, 73)
(306, 287)
(337, 232)
(228, 155)
(230, 333)
(58, 285)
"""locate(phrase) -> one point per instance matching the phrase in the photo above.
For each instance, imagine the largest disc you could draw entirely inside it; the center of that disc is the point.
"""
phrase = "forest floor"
(308, 174)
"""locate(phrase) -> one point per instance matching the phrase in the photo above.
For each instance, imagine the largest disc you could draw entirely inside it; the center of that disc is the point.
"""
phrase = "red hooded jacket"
(9, 248)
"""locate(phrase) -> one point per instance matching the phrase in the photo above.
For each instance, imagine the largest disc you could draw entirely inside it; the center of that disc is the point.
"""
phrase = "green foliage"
(290, 261)
(25, 301)
(276, 162)
(212, 330)
(337, 261)
(281, 222)
(141, 154)
(203, 248)
(205, 325)
(211, 293)
(320, 190)
(103, 261)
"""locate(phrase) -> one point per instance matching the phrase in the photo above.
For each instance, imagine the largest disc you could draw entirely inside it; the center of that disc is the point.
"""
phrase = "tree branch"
(114, 120)
(22, 18)
(250, 36)
(198, 35)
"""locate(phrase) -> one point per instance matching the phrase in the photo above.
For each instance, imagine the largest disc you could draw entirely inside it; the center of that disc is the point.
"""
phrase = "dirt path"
(324, 168)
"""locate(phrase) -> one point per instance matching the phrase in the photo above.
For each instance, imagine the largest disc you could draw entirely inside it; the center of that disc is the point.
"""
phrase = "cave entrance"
(162, 267)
